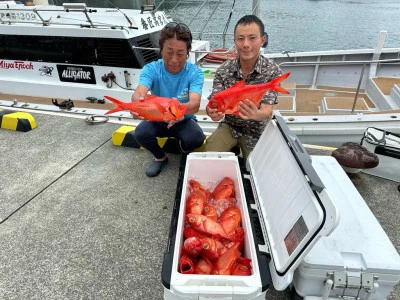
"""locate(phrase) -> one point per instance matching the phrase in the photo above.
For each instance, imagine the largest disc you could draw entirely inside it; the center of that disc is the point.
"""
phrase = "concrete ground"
(80, 220)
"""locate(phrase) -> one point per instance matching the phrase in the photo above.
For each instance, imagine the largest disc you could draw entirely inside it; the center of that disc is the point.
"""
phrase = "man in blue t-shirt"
(172, 77)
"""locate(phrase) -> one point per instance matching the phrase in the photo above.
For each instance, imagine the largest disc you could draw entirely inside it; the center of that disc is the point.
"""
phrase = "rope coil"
(95, 119)
(225, 54)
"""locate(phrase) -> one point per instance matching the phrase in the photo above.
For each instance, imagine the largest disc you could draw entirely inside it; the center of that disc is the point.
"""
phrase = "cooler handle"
(166, 270)
(263, 258)
(300, 155)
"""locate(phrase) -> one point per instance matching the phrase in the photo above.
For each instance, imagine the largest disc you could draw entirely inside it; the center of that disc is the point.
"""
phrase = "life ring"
(226, 54)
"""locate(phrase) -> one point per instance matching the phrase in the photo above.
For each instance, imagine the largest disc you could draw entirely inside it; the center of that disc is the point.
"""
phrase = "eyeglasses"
(180, 26)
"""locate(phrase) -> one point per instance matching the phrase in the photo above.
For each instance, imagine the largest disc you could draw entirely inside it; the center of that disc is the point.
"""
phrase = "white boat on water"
(82, 53)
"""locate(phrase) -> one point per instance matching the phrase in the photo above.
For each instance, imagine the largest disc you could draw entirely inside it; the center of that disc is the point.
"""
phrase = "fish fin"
(159, 106)
(238, 84)
(165, 114)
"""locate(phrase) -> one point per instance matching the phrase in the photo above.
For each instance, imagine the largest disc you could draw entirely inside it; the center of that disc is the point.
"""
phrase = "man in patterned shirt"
(244, 130)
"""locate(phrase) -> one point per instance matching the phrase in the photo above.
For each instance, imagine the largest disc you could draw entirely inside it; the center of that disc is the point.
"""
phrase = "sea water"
(292, 25)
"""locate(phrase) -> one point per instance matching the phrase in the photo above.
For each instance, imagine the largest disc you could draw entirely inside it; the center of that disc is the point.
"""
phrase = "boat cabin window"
(79, 50)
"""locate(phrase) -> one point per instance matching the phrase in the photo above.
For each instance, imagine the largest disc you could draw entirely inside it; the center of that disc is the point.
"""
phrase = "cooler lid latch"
(353, 280)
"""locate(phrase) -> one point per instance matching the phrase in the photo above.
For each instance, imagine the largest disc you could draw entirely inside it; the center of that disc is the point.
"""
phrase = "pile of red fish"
(213, 236)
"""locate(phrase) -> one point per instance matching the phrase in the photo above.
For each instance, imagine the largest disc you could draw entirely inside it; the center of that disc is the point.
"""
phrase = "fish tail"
(111, 111)
(279, 79)
(281, 90)
(275, 83)
(119, 105)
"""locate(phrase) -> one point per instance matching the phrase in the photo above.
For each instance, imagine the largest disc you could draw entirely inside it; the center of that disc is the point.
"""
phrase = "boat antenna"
(227, 24)
(126, 17)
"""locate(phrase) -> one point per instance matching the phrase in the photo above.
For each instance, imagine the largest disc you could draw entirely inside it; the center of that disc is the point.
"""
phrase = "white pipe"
(377, 53)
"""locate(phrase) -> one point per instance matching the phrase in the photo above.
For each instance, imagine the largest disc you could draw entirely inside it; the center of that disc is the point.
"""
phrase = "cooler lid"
(294, 208)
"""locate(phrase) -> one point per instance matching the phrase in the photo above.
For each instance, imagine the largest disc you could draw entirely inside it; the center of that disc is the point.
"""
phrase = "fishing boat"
(81, 53)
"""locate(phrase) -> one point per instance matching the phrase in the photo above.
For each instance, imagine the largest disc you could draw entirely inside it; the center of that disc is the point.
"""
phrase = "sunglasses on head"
(180, 26)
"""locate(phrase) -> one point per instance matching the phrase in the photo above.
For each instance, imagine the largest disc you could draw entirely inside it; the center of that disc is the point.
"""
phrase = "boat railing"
(197, 53)
(340, 63)
(67, 7)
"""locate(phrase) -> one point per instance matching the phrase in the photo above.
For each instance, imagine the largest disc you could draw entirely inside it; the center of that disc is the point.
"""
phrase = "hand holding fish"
(249, 111)
(173, 122)
(134, 114)
(214, 114)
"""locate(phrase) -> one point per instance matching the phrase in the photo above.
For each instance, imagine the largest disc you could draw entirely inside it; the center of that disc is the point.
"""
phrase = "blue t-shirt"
(164, 84)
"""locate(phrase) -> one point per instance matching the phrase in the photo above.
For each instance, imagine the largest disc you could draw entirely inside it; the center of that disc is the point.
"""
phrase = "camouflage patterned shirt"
(227, 75)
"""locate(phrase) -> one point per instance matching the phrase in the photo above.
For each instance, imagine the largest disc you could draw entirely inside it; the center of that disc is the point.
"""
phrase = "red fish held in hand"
(226, 101)
(152, 108)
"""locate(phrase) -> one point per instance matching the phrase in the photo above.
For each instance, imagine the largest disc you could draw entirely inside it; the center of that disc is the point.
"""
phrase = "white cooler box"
(285, 208)
(357, 259)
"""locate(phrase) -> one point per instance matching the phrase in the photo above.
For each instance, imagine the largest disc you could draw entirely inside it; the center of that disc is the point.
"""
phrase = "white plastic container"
(293, 206)
(357, 259)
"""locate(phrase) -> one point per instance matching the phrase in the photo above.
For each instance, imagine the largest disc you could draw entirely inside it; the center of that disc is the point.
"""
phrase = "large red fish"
(212, 249)
(152, 108)
(205, 225)
(224, 189)
(226, 101)
(225, 263)
(210, 211)
(230, 219)
(196, 186)
(195, 203)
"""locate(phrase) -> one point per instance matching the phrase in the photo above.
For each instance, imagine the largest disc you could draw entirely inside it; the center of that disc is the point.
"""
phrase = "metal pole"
(197, 12)
(358, 88)
(256, 7)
